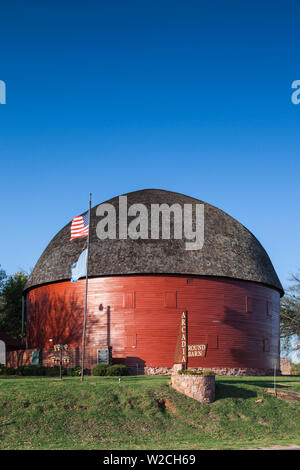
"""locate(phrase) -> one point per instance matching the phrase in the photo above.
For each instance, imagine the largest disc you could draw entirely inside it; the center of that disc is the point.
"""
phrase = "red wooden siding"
(139, 317)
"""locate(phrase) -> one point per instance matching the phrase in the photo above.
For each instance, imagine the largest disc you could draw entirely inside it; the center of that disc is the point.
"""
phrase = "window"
(36, 358)
(213, 341)
(129, 300)
(130, 341)
(266, 345)
(171, 299)
(269, 308)
(249, 304)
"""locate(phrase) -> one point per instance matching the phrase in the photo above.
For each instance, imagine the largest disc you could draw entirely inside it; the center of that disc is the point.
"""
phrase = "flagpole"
(86, 292)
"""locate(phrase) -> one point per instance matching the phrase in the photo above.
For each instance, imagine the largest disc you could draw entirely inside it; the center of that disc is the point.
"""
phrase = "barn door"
(2, 353)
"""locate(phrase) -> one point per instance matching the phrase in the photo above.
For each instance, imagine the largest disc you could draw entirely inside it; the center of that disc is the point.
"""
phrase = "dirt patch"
(164, 404)
(264, 422)
(161, 403)
(170, 407)
(290, 447)
(237, 416)
(213, 417)
(130, 403)
(284, 394)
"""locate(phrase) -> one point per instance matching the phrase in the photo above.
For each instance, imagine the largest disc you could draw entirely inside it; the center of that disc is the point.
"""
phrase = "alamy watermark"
(296, 94)
(2, 92)
(187, 222)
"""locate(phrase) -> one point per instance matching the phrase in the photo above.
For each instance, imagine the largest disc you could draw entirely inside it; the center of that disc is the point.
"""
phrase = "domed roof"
(229, 249)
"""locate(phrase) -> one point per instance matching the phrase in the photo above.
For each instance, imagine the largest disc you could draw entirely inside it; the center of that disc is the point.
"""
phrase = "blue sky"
(112, 97)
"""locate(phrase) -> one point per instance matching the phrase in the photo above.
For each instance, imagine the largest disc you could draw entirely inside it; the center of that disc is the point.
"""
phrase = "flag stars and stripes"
(80, 226)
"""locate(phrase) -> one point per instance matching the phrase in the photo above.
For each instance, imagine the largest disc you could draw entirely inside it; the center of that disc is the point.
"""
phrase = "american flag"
(80, 226)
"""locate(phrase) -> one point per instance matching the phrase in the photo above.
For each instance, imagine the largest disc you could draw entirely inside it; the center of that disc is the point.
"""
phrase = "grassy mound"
(143, 413)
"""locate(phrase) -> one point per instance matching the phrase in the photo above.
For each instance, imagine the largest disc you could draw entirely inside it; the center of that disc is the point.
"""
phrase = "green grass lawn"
(143, 413)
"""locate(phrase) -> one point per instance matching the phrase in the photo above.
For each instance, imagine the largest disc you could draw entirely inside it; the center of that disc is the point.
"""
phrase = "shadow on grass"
(258, 383)
(145, 378)
(225, 390)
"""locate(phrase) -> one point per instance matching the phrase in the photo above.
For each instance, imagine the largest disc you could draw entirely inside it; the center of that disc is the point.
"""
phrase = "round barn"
(138, 289)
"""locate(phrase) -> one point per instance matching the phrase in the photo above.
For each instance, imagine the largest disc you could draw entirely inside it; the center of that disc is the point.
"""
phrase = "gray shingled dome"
(229, 250)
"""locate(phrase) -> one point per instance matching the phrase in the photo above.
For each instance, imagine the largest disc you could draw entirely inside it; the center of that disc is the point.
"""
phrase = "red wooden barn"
(139, 288)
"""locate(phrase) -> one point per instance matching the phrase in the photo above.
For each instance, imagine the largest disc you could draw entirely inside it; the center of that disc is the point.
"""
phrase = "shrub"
(31, 370)
(9, 371)
(54, 371)
(194, 372)
(197, 372)
(190, 372)
(39, 370)
(100, 369)
(117, 369)
(74, 371)
(295, 369)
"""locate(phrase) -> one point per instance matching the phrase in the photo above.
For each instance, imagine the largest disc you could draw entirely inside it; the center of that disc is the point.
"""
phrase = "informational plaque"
(104, 355)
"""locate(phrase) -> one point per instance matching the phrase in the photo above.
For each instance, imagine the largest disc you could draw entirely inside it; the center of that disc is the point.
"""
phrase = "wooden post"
(181, 351)
(186, 334)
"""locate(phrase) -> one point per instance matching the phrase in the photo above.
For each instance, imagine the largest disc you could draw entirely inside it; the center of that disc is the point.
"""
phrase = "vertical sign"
(181, 356)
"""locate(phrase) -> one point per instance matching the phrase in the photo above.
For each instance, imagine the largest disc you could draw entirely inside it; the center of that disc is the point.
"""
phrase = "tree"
(2, 277)
(11, 304)
(2, 280)
(290, 317)
(295, 369)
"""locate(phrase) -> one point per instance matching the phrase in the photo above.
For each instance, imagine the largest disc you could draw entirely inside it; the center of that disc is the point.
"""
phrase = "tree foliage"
(2, 280)
(290, 317)
(11, 291)
(295, 369)
(2, 277)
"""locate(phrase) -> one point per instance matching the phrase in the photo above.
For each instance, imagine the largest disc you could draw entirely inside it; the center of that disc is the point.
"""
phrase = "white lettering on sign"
(183, 337)
(197, 350)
